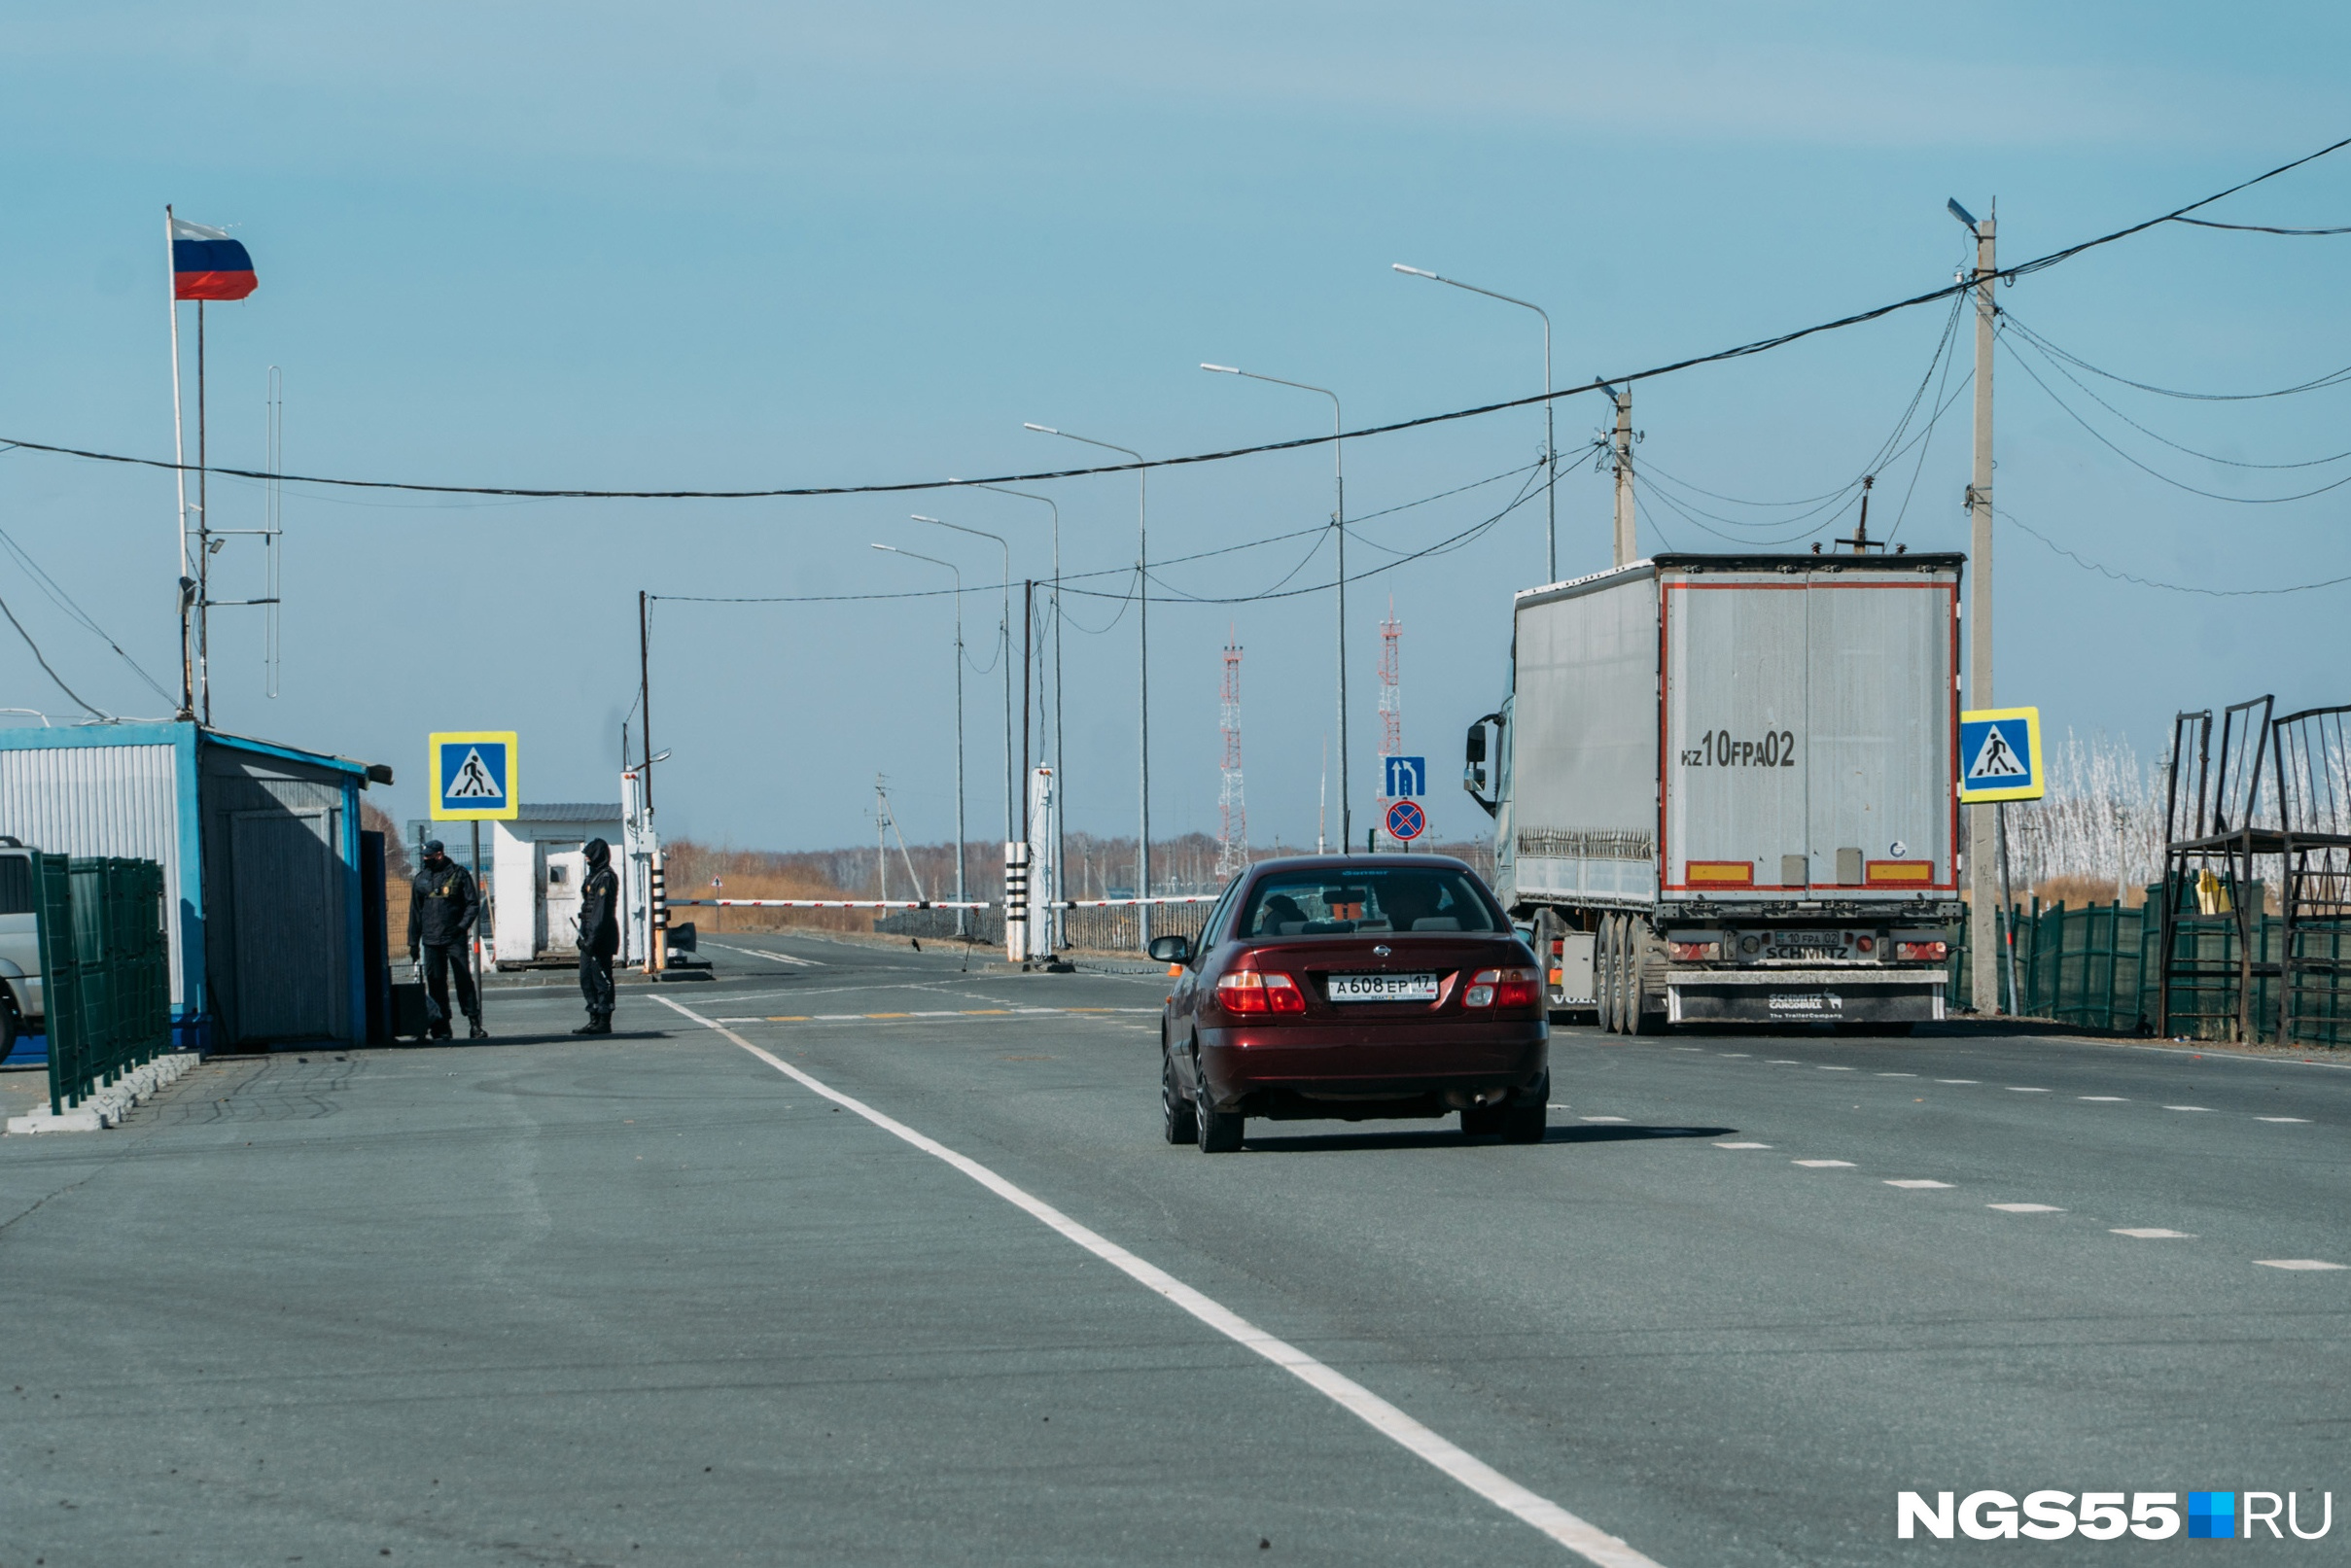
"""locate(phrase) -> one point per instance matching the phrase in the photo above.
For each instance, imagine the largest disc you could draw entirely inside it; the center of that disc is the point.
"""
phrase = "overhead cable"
(2168, 587)
(2010, 323)
(42, 659)
(1599, 384)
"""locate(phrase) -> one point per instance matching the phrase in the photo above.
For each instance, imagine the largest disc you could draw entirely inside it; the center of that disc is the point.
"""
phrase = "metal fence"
(2098, 966)
(105, 972)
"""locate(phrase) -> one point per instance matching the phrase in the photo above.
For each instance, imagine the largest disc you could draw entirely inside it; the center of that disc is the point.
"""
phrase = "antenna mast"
(1232, 841)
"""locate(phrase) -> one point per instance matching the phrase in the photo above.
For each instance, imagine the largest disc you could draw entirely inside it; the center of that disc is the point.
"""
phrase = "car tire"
(1175, 1116)
(1483, 1121)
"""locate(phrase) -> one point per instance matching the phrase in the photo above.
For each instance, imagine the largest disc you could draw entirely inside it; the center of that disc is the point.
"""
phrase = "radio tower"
(1232, 841)
(1391, 701)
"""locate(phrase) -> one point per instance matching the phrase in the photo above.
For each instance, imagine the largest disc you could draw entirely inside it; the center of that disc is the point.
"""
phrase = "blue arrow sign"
(1407, 777)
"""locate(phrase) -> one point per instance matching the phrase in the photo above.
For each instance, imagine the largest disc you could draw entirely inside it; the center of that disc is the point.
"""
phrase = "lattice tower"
(1233, 837)
(1391, 698)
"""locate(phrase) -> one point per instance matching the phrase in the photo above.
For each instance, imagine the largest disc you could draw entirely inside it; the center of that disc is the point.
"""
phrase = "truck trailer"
(1724, 789)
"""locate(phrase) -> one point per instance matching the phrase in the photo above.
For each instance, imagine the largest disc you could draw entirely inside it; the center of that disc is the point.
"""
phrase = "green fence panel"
(105, 970)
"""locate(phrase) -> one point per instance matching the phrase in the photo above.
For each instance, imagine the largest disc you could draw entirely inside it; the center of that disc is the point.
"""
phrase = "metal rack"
(2212, 898)
(2310, 754)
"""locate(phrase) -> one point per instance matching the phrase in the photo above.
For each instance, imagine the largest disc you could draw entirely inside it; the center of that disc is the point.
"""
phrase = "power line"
(42, 659)
(2261, 228)
(2010, 322)
(1600, 383)
(2168, 587)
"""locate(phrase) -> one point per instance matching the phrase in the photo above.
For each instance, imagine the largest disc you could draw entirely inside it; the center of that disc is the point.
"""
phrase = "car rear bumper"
(1309, 1070)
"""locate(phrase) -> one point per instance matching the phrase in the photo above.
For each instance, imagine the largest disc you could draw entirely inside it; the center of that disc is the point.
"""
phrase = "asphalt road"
(649, 1299)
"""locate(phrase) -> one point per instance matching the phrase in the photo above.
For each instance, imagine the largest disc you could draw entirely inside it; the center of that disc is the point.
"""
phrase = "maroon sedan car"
(1354, 987)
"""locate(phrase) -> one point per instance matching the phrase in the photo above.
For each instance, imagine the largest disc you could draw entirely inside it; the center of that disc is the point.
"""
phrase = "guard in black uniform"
(599, 936)
(443, 905)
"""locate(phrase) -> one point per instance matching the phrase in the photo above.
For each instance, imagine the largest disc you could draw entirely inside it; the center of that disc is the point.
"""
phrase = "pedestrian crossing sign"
(2000, 755)
(472, 775)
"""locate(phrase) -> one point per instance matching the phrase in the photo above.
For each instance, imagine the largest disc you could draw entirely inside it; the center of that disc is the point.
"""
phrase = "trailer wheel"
(1618, 928)
(1603, 971)
(1638, 1019)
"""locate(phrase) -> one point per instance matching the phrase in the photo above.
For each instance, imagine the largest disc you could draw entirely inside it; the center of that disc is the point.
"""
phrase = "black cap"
(432, 847)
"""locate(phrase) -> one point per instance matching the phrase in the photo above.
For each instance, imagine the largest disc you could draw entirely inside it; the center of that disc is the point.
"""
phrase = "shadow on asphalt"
(1453, 1138)
(558, 1038)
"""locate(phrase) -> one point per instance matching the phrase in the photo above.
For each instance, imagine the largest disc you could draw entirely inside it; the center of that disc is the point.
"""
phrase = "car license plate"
(1383, 988)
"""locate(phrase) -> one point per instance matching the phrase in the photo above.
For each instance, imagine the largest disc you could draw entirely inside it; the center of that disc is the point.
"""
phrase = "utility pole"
(1628, 545)
(1982, 834)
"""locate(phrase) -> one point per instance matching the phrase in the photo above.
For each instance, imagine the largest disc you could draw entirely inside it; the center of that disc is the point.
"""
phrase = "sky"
(722, 246)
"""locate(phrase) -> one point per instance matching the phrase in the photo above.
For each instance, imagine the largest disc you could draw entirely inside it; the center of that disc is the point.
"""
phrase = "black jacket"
(600, 912)
(442, 906)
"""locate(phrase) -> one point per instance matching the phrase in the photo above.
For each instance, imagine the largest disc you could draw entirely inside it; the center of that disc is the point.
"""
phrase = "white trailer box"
(1726, 783)
(536, 869)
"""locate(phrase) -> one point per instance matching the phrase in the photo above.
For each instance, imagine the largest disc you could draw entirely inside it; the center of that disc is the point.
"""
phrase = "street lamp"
(1339, 521)
(1143, 665)
(1551, 449)
(1004, 638)
(962, 916)
(1060, 778)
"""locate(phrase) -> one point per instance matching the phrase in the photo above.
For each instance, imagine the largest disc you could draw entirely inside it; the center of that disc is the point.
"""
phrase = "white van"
(21, 1010)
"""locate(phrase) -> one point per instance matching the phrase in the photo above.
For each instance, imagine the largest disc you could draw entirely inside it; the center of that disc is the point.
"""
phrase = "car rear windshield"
(1312, 903)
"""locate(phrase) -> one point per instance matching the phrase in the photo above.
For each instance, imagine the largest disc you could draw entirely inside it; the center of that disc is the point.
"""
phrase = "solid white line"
(759, 953)
(1577, 1534)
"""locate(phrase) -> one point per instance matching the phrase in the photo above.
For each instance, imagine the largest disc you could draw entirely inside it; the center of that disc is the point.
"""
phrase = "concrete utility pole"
(1982, 825)
(1628, 545)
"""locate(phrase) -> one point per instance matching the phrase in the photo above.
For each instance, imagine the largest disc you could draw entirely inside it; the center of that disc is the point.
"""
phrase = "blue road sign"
(1406, 820)
(2000, 755)
(1407, 777)
(474, 776)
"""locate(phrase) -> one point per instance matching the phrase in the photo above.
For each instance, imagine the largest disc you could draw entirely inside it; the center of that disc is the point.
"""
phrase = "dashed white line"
(2152, 1234)
(1604, 1118)
(1577, 1534)
(1955, 1080)
(1825, 1165)
(1732, 1056)
(1782, 1061)
(2016, 1089)
(2109, 1100)
(1743, 1145)
(1826, 1068)
(2188, 1107)
(1897, 1075)
(2026, 1209)
(1920, 1185)
(2299, 1264)
(2302, 1119)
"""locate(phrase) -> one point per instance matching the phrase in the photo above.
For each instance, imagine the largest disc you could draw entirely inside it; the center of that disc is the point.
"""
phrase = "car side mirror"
(1172, 948)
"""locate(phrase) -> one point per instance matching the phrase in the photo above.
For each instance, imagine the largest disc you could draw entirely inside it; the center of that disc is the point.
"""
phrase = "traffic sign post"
(474, 781)
(2000, 760)
(1406, 822)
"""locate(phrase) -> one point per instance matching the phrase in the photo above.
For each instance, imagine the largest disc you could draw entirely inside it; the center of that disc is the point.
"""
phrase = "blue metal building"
(262, 868)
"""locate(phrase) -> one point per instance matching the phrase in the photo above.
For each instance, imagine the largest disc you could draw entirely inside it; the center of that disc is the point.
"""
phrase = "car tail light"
(1691, 952)
(1502, 988)
(1247, 991)
(1921, 952)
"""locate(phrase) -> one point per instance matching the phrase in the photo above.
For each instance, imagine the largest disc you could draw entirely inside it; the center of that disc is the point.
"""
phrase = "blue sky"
(740, 246)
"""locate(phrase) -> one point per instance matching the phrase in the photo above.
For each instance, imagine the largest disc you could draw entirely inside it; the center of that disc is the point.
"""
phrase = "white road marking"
(1743, 1145)
(817, 1017)
(1689, 1047)
(1897, 1075)
(1919, 1185)
(1732, 1056)
(1782, 1061)
(2005, 1209)
(2152, 1233)
(1838, 1069)
(2017, 1090)
(2188, 1107)
(1825, 1165)
(2302, 1119)
(780, 958)
(2297, 1264)
(1955, 1080)
(1604, 1118)
(2109, 1100)
(1587, 1539)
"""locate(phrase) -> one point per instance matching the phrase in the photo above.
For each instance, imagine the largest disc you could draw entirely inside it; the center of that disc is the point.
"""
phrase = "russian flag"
(207, 264)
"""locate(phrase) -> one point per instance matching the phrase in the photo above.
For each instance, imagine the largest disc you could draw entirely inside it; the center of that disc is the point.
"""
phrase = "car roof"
(1360, 863)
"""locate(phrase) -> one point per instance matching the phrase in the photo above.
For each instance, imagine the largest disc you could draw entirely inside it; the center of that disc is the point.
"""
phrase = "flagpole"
(203, 562)
(179, 461)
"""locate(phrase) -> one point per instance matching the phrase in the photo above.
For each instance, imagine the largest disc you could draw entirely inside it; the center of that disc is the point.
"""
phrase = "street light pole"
(1339, 522)
(962, 916)
(1003, 633)
(1060, 778)
(1143, 665)
(1551, 445)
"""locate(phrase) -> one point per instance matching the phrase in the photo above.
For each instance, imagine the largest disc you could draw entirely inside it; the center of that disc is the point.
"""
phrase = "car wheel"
(1482, 1120)
(1219, 1130)
(1175, 1116)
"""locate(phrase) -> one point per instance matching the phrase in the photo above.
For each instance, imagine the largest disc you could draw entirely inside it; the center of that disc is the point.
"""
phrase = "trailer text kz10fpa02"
(1723, 787)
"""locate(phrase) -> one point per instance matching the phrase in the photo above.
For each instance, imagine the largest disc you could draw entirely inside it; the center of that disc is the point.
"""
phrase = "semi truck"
(1723, 789)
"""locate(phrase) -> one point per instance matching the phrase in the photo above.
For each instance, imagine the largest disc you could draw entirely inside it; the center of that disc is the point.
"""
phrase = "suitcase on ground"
(409, 1010)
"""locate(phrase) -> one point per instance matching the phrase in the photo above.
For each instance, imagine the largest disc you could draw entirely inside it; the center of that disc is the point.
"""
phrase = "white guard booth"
(537, 865)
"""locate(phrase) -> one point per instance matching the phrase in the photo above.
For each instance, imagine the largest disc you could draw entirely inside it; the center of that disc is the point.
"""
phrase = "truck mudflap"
(1805, 997)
